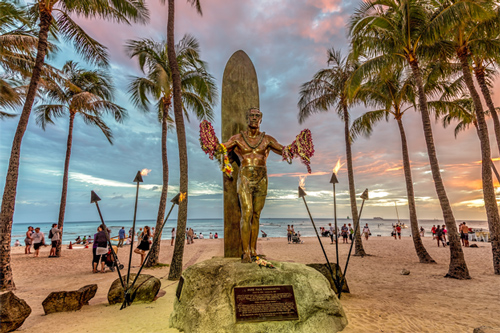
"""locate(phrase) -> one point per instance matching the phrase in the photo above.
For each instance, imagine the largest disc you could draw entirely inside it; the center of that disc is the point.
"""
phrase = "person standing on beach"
(398, 230)
(28, 240)
(121, 237)
(344, 230)
(173, 237)
(289, 234)
(464, 234)
(439, 234)
(366, 231)
(101, 248)
(422, 232)
(144, 244)
(433, 230)
(55, 236)
(38, 240)
(443, 228)
(351, 232)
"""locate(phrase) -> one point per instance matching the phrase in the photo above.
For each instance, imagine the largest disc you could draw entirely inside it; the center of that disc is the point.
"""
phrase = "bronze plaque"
(264, 303)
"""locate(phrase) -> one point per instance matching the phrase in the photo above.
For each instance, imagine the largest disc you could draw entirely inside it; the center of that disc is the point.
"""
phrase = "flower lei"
(211, 146)
(263, 263)
(302, 147)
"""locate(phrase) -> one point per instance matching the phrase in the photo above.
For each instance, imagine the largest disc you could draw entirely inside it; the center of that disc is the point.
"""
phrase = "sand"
(381, 299)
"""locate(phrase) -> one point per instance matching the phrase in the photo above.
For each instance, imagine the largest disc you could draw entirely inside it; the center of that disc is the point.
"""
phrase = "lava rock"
(64, 301)
(13, 312)
(486, 329)
(404, 271)
(145, 288)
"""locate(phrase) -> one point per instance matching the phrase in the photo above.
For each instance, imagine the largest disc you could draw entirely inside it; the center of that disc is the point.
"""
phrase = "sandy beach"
(381, 299)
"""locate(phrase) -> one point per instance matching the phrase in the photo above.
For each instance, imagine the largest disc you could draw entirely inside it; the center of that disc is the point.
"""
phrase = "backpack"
(51, 234)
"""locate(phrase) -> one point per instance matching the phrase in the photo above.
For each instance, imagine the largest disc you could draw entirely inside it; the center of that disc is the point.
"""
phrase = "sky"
(287, 45)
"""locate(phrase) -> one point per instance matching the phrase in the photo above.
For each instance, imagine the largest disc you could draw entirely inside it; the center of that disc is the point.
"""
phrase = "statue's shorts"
(253, 180)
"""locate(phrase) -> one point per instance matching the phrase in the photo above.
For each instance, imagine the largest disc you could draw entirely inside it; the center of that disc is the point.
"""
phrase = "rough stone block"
(146, 287)
(13, 312)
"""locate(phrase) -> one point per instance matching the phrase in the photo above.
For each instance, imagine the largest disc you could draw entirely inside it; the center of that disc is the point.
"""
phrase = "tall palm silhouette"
(199, 94)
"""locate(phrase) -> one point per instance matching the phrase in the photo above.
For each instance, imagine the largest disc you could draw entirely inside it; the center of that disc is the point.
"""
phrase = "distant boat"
(378, 218)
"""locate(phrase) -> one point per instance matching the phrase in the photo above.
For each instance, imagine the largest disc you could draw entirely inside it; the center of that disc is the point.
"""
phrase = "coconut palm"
(328, 89)
(56, 14)
(199, 93)
(401, 31)
(176, 264)
(394, 95)
(84, 93)
(466, 40)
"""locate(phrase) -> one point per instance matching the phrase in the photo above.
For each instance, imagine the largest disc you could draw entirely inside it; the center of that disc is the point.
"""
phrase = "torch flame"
(182, 197)
(145, 172)
(302, 181)
(337, 167)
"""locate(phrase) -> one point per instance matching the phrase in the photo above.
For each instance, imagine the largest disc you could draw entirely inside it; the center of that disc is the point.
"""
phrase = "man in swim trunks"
(252, 148)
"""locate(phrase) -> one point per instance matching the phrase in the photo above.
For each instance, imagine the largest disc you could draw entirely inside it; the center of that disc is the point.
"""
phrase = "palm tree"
(176, 264)
(394, 94)
(328, 89)
(56, 13)
(401, 30)
(199, 93)
(465, 43)
(9, 97)
(86, 93)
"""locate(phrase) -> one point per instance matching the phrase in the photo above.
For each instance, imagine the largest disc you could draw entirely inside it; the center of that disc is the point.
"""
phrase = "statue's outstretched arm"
(275, 146)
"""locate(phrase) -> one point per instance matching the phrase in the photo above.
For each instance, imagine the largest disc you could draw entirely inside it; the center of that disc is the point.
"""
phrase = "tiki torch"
(363, 196)
(137, 179)
(334, 181)
(302, 194)
(128, 299)
(94, 198)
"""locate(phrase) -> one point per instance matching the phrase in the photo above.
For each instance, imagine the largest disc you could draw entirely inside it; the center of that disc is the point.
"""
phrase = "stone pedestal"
(206, 302)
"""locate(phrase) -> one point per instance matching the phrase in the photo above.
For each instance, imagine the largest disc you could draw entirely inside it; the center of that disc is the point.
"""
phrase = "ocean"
(274, 227)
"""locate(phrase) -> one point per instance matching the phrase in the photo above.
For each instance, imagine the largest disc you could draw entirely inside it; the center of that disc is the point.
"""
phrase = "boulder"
(205, 301)
(323, 269)
(13, 312)
(88, 292)
(404, 271)
(63, 301)
(145, 288)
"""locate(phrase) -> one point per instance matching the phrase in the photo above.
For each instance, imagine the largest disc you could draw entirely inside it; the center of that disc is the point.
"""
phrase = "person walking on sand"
(366, 231)
(351, 232)
(439, 235)
(38, 240)
(398, 230)
(144, 244)
(28, 241)
(422, 232)
(55, 237)
(121, 237)
(344, 230)
(173, 237)
(443, 228)
(464, 234)
(289, 234)
(433, 230)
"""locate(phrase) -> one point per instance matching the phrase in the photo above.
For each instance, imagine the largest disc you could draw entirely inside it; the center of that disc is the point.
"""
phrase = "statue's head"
(254, 117)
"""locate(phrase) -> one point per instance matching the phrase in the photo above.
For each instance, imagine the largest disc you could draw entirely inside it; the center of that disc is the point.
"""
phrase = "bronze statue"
(252, 148)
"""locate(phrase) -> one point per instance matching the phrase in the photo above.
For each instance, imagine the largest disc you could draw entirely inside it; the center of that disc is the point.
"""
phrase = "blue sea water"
(274, 227)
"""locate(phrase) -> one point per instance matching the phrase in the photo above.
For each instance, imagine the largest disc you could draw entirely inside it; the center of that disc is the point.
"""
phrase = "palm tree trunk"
(10, 189)
(176, 264)
(457, 268)
(479, 73)
(64, 194)
(422, 254)
(490, 202)
(358, 246)
(154, 252)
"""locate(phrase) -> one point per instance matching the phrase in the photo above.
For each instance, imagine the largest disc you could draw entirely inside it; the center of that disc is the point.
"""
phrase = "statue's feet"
(246, 258)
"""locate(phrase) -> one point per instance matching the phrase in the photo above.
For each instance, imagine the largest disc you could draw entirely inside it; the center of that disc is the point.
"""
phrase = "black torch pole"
(333, 181)
(363, 196)
(302, 195)
(128, 299)
(138, 179)
(94, 198)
